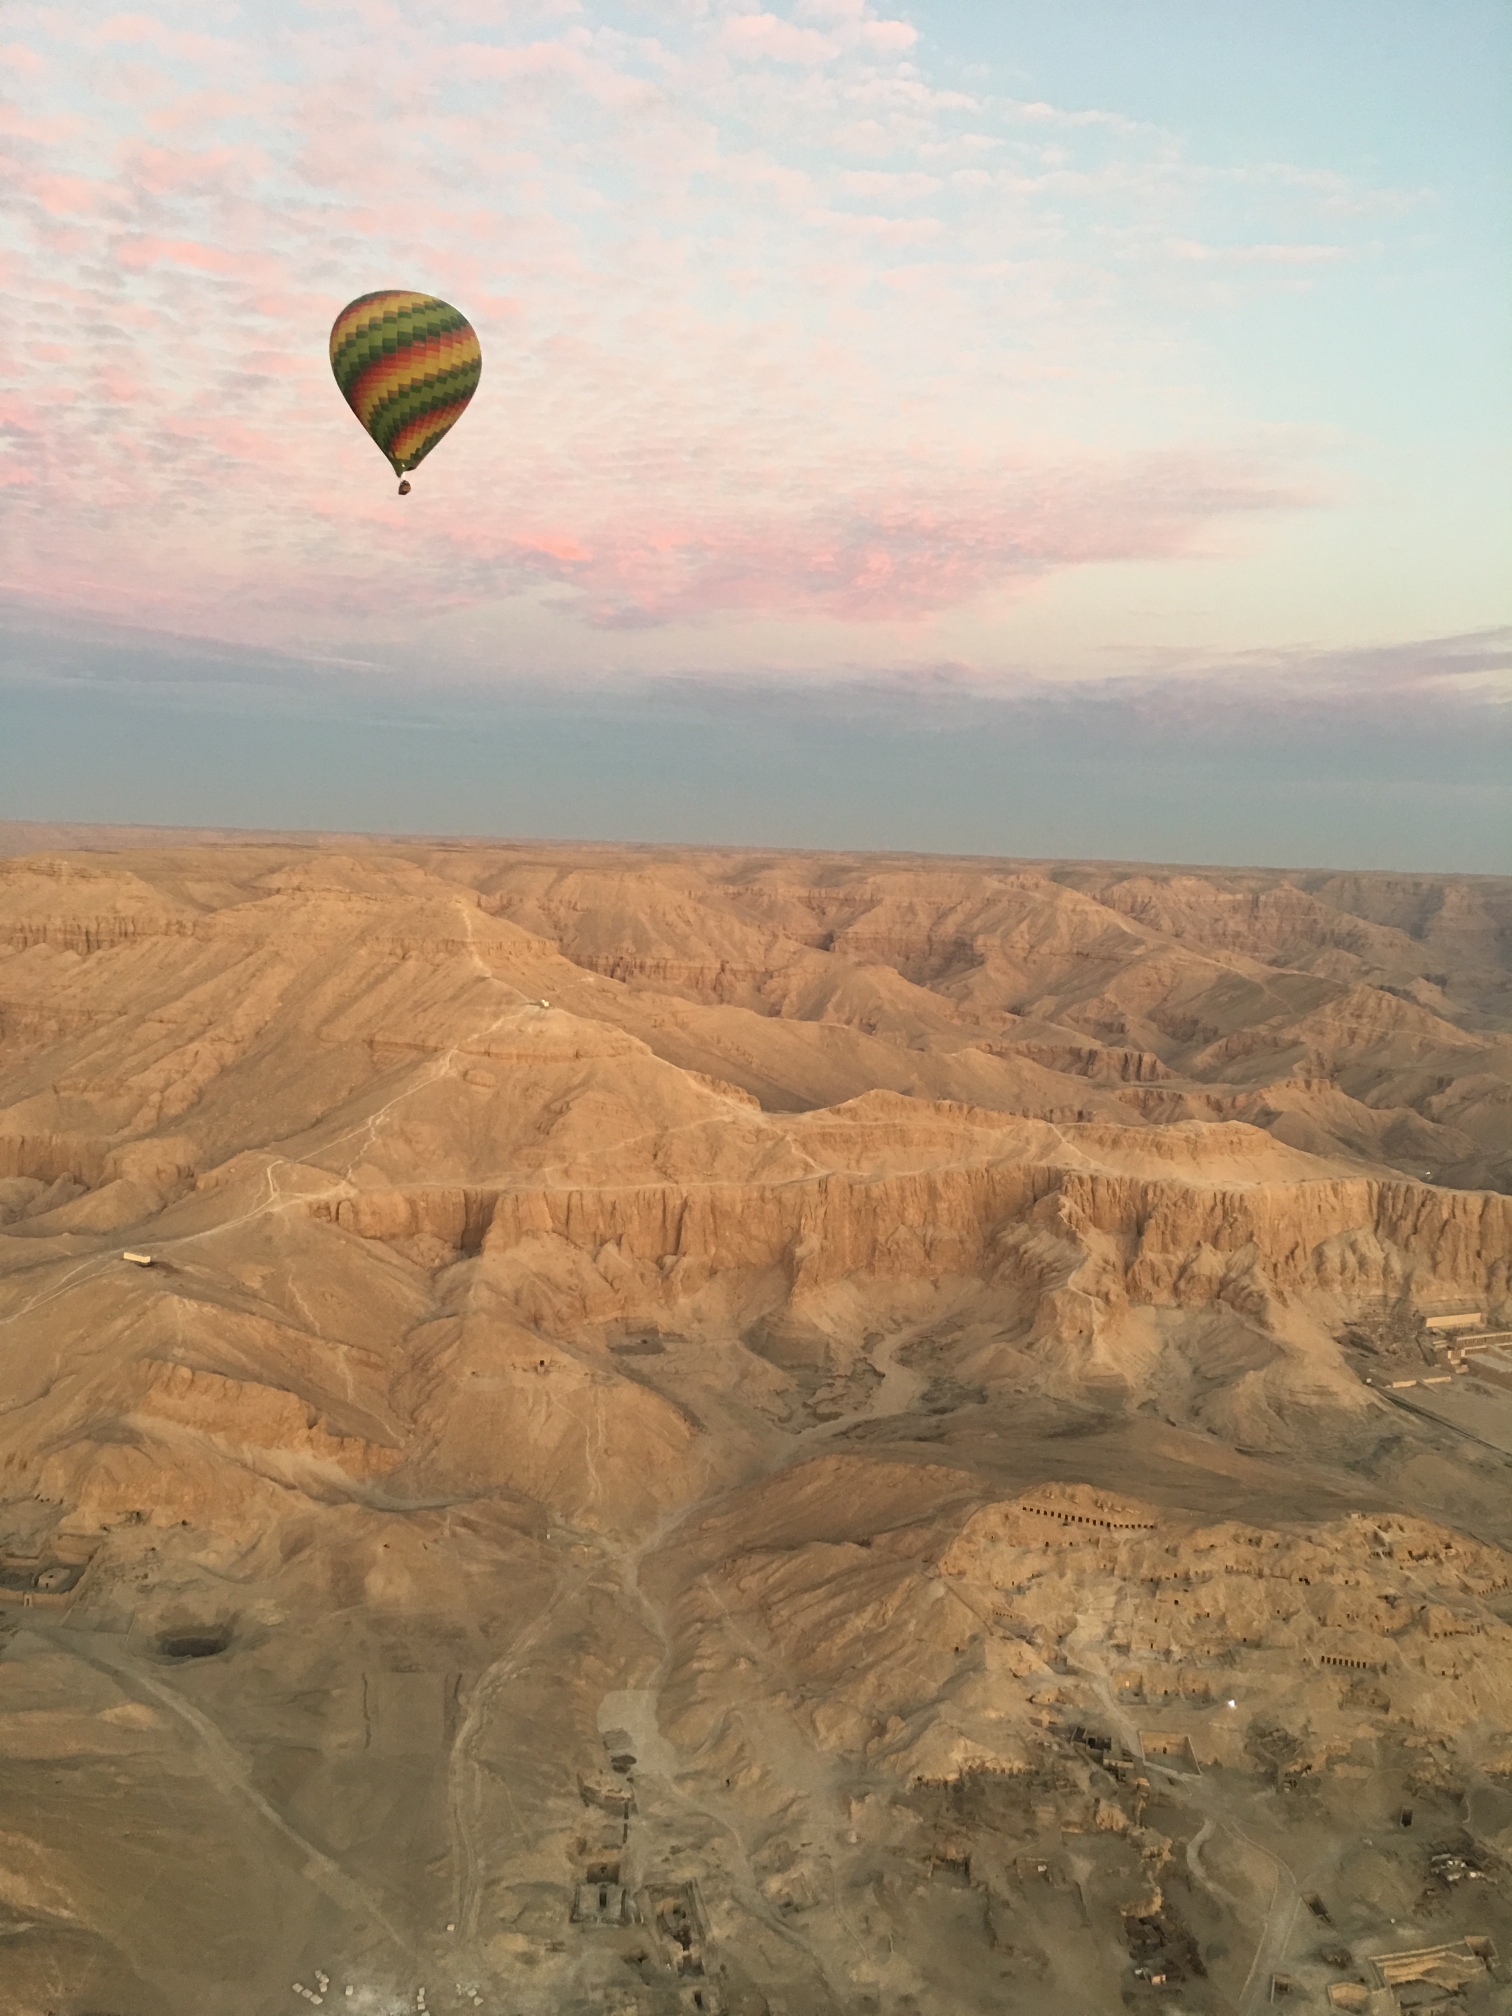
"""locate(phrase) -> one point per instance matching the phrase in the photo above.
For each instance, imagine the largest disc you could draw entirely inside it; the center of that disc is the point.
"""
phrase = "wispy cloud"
(1255, 255)
(760, 300)
(1454, 691)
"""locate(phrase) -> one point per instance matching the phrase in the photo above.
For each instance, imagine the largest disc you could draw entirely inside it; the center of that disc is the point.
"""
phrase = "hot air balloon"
(407, 364)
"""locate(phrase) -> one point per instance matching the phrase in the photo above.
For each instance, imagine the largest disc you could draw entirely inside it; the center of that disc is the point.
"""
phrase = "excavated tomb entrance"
(202, 1643)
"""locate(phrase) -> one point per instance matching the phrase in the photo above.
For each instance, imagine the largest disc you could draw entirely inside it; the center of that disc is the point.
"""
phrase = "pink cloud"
(882, 559)
(120, 387)
(67, 195)
(710, 385)
(16, 60)
(1250, 255)
(756, 35)
(138, 252)
(533, 59)
(900, 231)
(165, 171)
(205, 110)
(130, 28)
(41, 129)
(875, 182)
(889, 35)
(852, 24)
(187, 45)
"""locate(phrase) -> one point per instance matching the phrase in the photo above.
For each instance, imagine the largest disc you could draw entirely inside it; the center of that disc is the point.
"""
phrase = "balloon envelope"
(407, 364)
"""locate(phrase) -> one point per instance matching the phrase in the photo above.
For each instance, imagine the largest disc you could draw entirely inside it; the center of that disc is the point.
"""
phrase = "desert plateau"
(610, 1431)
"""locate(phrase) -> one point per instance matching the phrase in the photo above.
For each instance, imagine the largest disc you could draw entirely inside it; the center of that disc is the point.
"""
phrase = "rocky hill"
(745, 1431)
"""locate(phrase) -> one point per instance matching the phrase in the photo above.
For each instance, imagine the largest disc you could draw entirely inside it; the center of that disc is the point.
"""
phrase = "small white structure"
(138, 1259)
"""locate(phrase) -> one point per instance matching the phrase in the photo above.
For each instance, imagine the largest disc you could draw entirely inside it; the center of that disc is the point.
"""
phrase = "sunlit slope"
(824, 1329)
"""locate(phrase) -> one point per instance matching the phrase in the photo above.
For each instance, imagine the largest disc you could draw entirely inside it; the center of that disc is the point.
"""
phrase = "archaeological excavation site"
(636, 1431)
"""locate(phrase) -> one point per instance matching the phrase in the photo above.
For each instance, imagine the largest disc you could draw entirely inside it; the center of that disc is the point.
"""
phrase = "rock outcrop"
(603, 1428)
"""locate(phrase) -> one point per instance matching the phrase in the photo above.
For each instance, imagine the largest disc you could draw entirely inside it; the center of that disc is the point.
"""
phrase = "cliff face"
(712, 1092)
(1352, 1239)
(825, 1332)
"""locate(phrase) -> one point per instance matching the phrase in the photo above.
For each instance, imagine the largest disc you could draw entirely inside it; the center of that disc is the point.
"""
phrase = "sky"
(1074, 430)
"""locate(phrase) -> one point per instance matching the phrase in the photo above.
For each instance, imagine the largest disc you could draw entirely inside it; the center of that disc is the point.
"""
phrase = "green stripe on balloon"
(366, 347)
(410, 402)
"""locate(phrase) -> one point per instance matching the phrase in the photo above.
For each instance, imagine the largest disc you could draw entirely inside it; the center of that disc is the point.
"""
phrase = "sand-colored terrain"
(738, 1432)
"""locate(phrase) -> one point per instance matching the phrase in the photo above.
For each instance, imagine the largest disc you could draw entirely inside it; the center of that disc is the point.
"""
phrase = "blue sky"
(1025, 371)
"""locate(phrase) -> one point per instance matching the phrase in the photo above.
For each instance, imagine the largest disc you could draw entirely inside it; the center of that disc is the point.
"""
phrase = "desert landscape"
(645, 1430)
